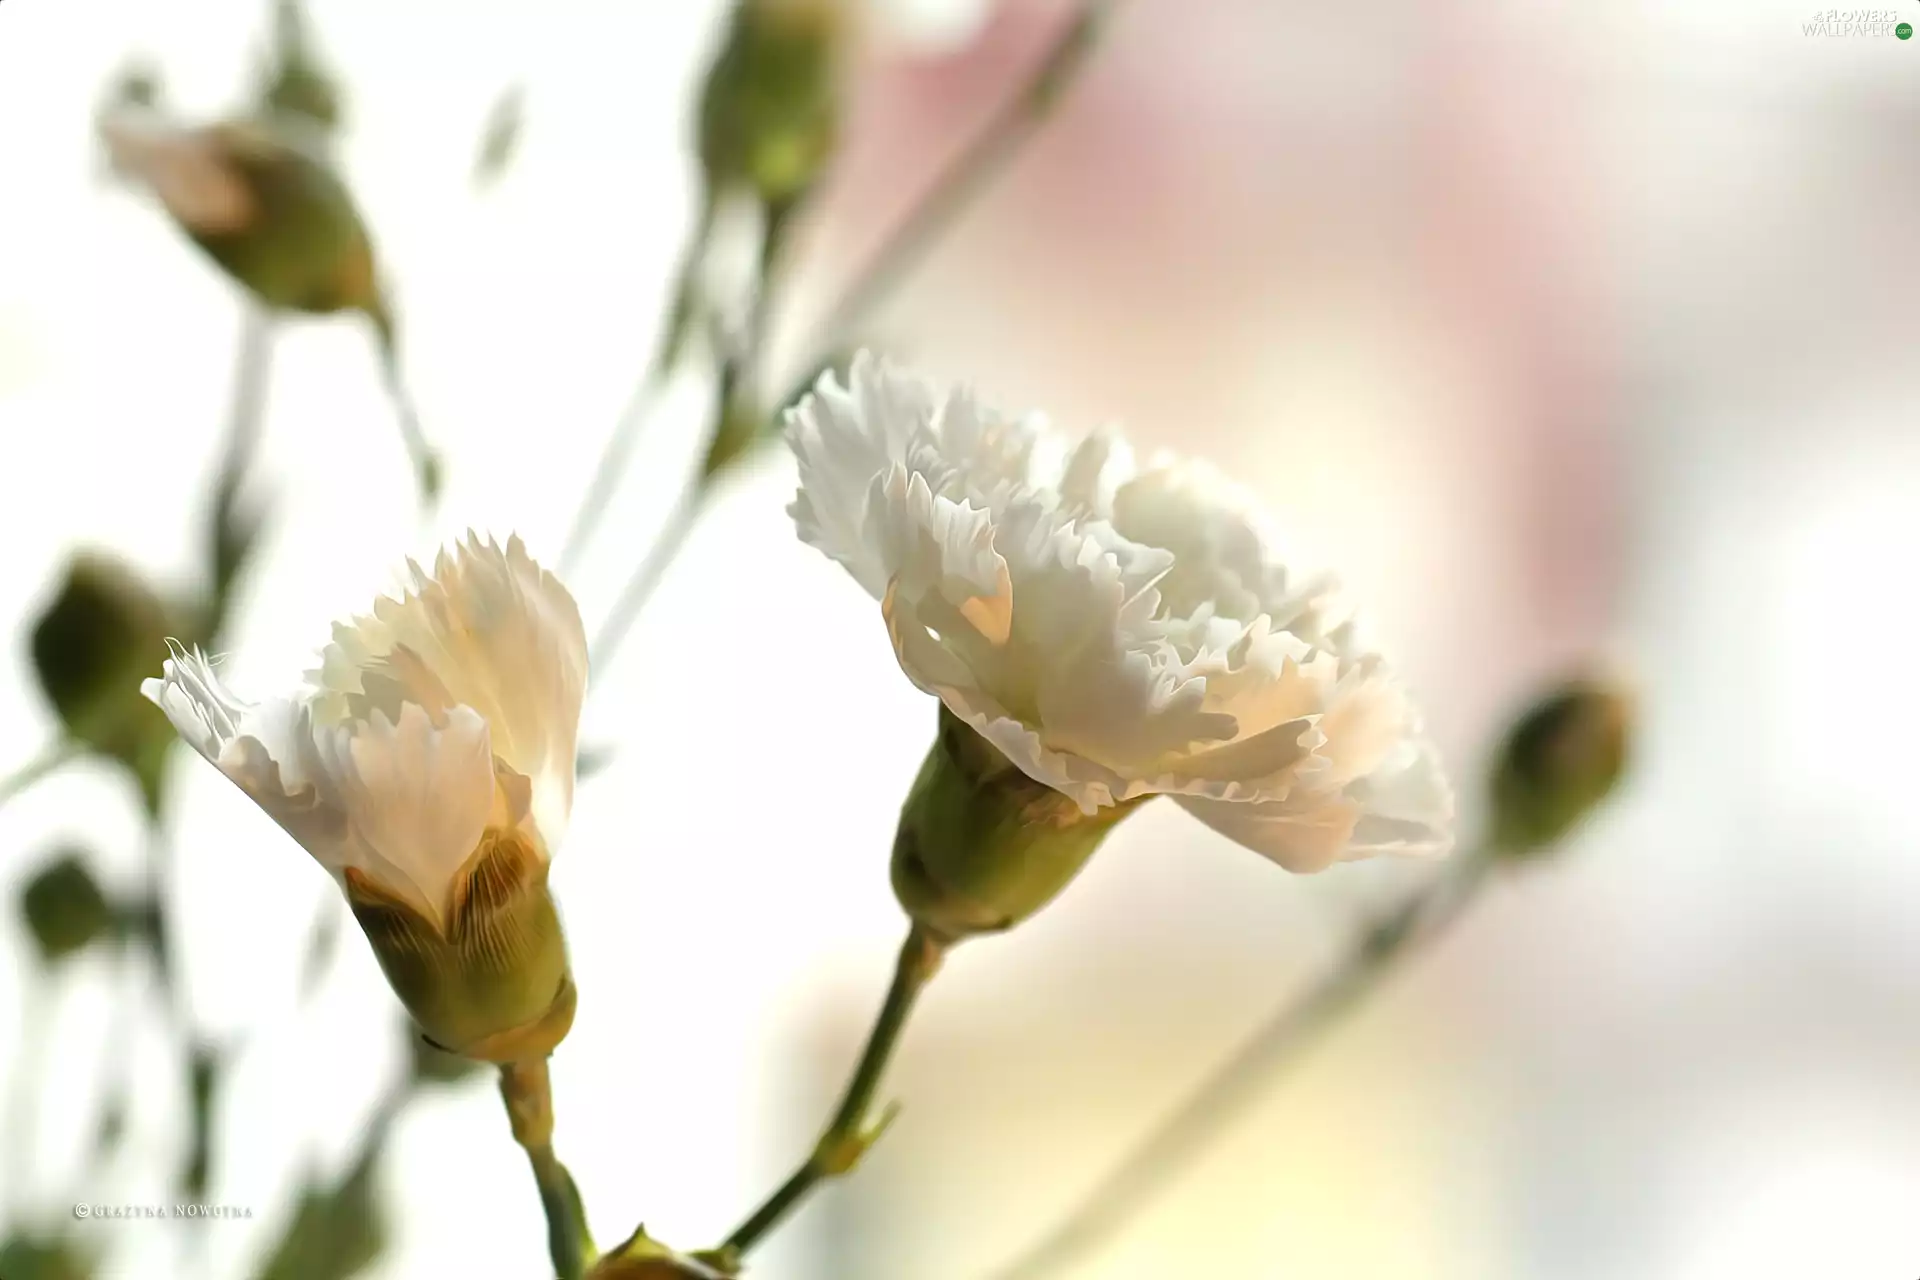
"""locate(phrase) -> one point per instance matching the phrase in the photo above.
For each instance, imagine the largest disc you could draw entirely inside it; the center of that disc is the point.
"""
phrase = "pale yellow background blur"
(1560, 330)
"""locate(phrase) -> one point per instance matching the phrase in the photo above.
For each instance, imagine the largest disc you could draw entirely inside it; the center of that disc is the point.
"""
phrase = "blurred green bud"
(1560, 761)
(493, 985)
(135, 86)
(770, 109)
(501, 138)
(295, 84)
(25, 1257)
(981, 846)
(91, 646)
(337, 1230)
(261, 200)
(64, 908)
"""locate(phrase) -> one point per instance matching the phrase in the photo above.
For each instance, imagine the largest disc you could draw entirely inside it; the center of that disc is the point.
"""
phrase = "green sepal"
(981, 846)
(495, 985)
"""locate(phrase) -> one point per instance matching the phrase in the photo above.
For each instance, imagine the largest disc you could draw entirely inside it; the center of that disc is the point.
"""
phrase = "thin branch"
(526, 1090)
(958, 186)
(969, 176)
(640, 587)
(848, 1135)
(1242, 1080)
(51, 758)
(618, 451)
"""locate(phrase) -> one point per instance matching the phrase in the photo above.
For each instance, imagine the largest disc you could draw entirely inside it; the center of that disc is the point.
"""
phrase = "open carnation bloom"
(429, 766)
(1116, 632)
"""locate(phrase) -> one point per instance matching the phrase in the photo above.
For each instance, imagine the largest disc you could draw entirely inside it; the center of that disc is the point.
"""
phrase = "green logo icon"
(1904, 31)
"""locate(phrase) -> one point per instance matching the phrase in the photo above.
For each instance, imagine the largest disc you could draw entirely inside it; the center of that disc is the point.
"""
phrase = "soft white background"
(1561, 330)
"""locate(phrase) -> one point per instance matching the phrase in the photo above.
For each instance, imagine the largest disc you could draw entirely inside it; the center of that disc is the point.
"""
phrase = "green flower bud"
(25, 1257)
(1561, 760)
(770, 110)
(64, 908)
(295, 83)
(260, 199)
(494, 986)
(981, 846)
(91, 646)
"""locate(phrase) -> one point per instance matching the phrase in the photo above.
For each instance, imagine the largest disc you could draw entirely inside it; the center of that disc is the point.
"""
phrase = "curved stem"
(51, 758)
(420, 452)
(957, 187)
(527, 1090)
(848, 1136)
(640, 587)
(1240, 1081)
(614, 455)
(610, 467)
(970, 174)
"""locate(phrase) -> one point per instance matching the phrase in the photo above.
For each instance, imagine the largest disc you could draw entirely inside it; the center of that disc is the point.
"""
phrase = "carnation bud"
(981, 846)
(1560, 761)
(91, 646)
(493, 984)
(64, 908)
(260, 199)
(770, 109)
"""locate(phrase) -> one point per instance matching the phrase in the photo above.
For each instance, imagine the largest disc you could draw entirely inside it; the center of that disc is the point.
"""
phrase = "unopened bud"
(260, 200)
(91, 646)
(490, 983)
(770, 110)
(981, 846)
(64, 908)
(1561, 760)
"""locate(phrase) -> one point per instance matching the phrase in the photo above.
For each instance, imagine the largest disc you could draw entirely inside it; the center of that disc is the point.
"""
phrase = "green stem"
(736, 379)
(640, 587)
(527, 1090)
(847, 1135)
(22, 779)
(614, 455)
(1236, 1084)
(420, 451)
(970, 174)
(957, 187)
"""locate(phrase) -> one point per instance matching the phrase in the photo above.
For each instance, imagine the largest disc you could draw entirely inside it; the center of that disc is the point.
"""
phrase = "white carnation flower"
(1116, 632)
(445, 716)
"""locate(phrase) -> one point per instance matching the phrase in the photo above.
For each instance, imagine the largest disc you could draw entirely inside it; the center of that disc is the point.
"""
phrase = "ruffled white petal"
(844, 436)
(1116, 632)
(445, 713)
(419, 791)
(491, 631)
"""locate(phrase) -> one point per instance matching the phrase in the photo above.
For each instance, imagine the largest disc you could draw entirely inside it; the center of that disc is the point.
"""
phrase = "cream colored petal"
(417, 795)
(184, 168)
(490, 630)
(1301, 838)
(204, 711)
(1407, 806)
(1095, 471)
